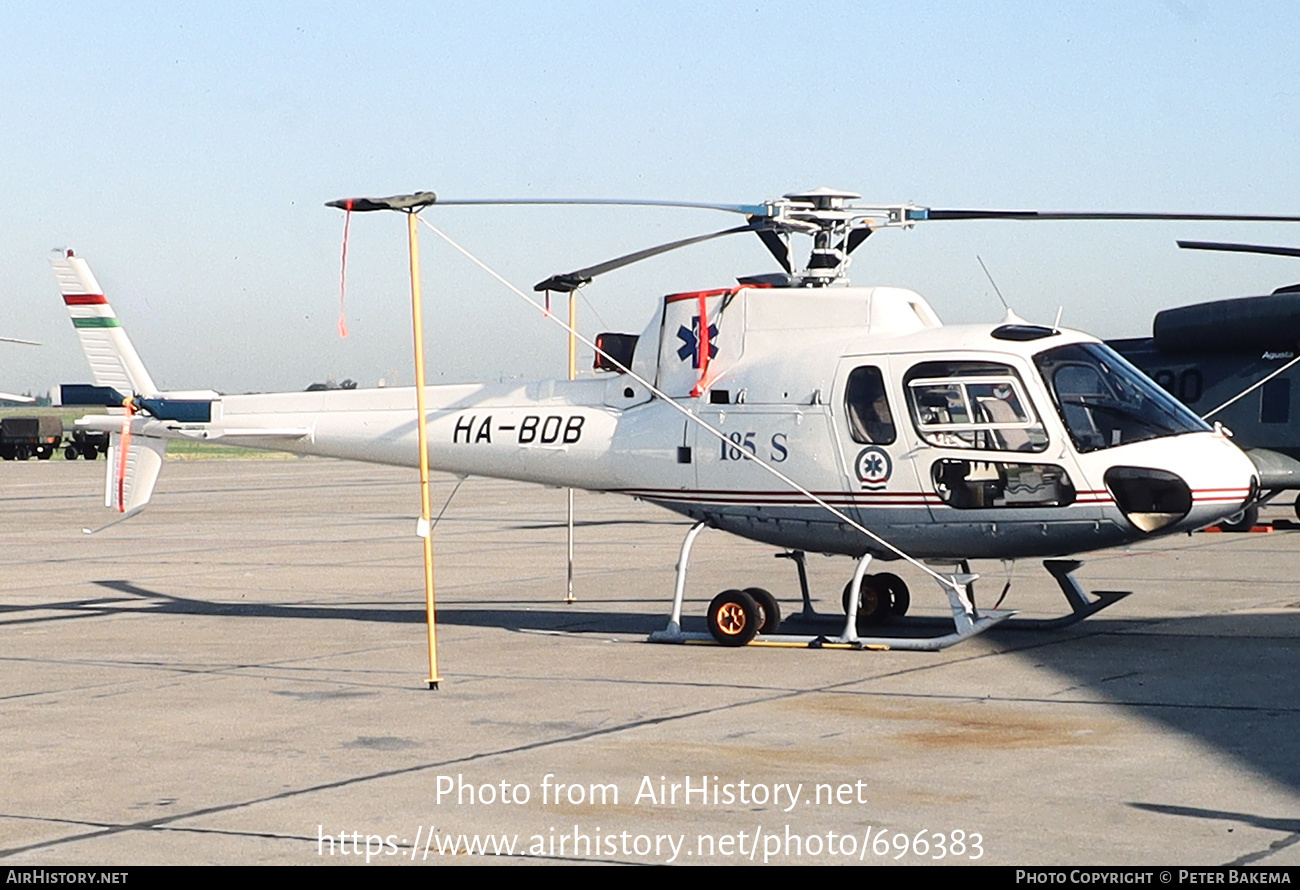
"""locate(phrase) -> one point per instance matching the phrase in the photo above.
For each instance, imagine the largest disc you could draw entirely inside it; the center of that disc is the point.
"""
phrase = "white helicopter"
(792, 409)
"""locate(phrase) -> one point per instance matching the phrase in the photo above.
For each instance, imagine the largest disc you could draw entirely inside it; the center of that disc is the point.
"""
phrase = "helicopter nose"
(1202, 480)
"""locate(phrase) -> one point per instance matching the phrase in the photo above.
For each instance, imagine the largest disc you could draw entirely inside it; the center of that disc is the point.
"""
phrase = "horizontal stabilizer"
(134, 462)
(181, 410)
(80, 394)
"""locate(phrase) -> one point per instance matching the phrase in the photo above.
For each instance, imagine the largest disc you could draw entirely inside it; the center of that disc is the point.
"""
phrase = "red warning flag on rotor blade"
(343, 273)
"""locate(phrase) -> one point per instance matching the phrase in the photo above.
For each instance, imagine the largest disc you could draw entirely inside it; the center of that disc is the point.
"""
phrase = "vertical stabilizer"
(113, 360)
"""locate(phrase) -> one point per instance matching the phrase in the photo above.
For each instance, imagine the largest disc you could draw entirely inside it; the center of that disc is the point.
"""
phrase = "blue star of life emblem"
(873, 467)
(690, 347)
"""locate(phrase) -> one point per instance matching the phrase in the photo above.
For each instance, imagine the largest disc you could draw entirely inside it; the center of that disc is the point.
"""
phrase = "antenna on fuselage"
(989, 276)
(1011, 317)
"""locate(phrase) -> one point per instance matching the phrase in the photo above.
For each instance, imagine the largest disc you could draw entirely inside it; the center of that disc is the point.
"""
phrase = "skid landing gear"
(1080, 605)
(736, 616)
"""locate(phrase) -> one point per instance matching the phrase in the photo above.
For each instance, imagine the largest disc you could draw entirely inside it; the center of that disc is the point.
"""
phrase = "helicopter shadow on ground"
(136, 599)
(1225, 680)
(574, 618)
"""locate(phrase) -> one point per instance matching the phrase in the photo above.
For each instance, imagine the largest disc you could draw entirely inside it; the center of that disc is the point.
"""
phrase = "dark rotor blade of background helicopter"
(928, 214)
(747, 209)
(1239, 248)
(570, 281)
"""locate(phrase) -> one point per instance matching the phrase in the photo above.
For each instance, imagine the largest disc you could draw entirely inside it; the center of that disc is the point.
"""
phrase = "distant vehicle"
(24, 437)
(85, 443)
(1208, 354)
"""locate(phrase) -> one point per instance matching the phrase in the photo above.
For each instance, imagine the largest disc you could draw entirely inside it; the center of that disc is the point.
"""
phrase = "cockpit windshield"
(1105, 401)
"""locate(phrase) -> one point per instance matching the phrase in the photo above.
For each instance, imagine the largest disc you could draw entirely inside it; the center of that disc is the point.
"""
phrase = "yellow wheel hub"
(731, 619)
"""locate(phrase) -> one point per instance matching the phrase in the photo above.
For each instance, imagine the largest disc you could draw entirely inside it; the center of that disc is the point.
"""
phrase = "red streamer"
(343, 274)
(123, 450)
(703, 345)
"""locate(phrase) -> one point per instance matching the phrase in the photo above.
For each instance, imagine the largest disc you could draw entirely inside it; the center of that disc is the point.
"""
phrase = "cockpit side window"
(977, 405)
(867, 407)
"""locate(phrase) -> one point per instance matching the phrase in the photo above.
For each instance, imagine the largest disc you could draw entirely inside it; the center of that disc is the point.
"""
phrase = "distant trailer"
(24, 437)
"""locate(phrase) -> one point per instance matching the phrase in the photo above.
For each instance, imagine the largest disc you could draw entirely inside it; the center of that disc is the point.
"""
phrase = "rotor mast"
(831, 226)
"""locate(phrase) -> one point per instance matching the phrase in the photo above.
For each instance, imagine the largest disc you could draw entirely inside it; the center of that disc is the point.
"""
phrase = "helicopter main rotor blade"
(746, 209)
(930, 214)
(571, 281)
(1239, 248)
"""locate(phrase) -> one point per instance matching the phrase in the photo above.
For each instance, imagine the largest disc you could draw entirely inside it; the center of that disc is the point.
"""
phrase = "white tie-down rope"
(690, 415)
(1254, 386)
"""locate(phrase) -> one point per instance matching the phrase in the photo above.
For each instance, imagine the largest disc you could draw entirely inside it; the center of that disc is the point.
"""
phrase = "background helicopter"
(792, 409)
(1234, 361)
(14, 397)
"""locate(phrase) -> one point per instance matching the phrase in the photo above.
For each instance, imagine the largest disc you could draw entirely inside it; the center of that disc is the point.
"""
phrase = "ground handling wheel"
(70, 453)
(770, 608)
(734, 618)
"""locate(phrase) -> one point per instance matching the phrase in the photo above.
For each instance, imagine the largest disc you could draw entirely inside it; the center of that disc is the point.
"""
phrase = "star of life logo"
(690, 348)
(873, 468)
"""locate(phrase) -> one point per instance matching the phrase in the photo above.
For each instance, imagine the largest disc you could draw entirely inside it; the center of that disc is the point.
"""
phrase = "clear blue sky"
(186, 150)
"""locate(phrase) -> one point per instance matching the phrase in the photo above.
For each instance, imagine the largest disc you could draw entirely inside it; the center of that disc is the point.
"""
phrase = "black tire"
(45, 454)
(770, 608)
(900, 598)
(1243, 521)
(93, 453)
(874, 604)
(734, 618)
(70, 453)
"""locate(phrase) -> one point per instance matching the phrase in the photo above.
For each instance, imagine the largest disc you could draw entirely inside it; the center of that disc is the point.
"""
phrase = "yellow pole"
(430, 609)
(570, 597)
